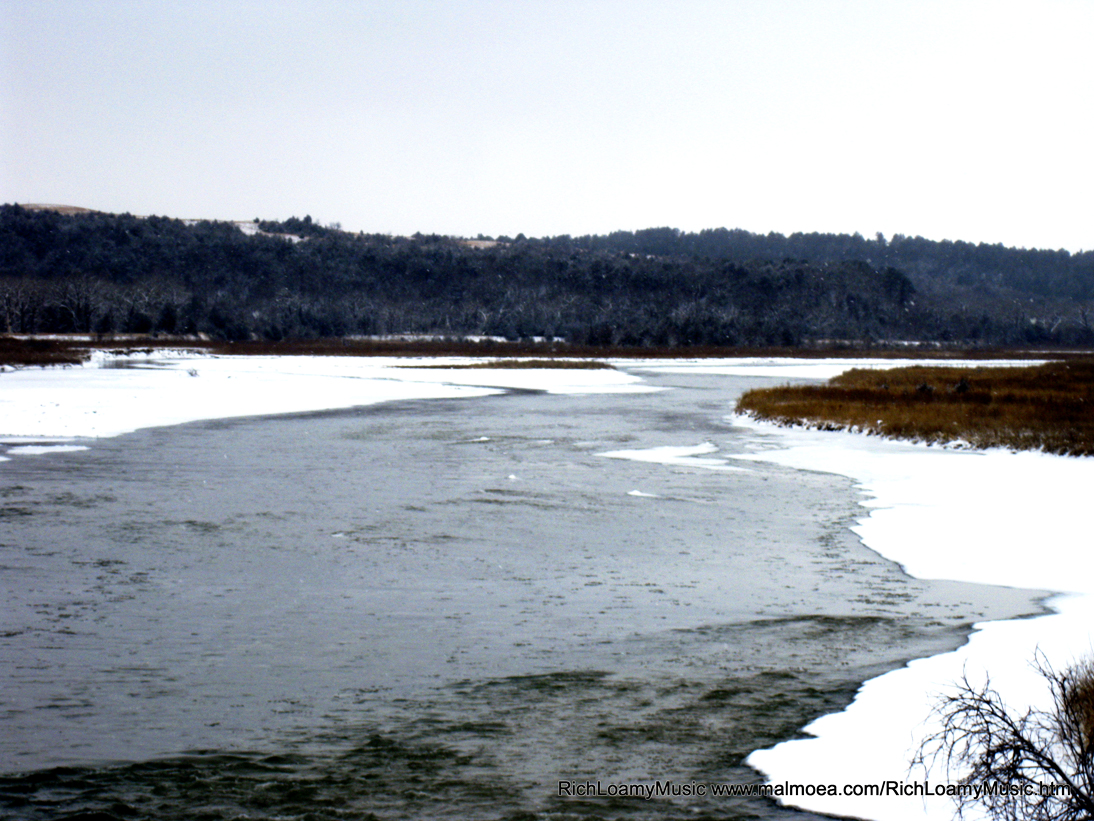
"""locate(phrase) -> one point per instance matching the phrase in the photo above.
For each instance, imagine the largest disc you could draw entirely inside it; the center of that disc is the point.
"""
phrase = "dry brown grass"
(20, 352)
(1078, 704)
(1046, 407)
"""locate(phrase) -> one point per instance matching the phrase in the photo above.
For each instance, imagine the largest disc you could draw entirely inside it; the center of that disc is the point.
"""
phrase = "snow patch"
(691, 456)
(36, 450)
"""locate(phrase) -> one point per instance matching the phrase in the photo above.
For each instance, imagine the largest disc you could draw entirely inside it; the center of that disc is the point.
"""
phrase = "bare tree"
(1031, 766)
(21, 302)
(78, 301)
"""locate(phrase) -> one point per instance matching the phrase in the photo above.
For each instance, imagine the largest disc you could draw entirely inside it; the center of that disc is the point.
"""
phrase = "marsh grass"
(23, 350)
(41, 351)
(1046, 407)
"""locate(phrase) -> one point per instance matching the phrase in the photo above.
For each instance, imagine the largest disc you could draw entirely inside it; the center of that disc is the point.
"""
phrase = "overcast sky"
(951, 120)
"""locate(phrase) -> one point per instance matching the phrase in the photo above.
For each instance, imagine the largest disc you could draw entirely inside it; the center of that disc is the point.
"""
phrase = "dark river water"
(434, 609)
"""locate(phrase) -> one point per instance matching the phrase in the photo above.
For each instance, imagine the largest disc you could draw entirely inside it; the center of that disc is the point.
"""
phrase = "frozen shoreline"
(989, 517)
(994, 517)
(115, 395)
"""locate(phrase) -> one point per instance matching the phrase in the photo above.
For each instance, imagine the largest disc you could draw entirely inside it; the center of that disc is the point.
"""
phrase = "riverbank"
(27, 350)
(995, 517)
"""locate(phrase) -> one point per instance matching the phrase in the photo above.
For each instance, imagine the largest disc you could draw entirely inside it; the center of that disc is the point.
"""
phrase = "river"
(436, 608)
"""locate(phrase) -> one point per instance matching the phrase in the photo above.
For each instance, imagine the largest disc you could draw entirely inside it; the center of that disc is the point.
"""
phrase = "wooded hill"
(105, 273)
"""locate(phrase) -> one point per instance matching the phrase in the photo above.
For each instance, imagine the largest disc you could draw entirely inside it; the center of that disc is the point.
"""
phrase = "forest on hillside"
(989, 268)
(104, 273)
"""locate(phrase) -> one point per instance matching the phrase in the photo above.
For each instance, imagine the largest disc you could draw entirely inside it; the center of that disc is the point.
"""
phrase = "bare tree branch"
(982, 742)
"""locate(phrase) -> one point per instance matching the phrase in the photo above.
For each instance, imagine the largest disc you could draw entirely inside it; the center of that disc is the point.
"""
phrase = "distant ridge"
(90, 271)
(248, 227)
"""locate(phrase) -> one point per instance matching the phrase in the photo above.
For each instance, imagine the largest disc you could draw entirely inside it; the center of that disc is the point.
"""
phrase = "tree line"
(1031, 272)
(105, 273)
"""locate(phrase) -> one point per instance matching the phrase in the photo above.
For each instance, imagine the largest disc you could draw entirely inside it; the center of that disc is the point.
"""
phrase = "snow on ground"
(115, 395)
(995, 517)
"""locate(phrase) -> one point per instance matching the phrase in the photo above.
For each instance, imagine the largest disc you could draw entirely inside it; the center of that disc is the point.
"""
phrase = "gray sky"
(952, 120)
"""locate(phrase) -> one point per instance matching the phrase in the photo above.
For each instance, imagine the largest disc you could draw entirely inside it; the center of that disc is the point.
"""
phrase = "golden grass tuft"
(1046, 407)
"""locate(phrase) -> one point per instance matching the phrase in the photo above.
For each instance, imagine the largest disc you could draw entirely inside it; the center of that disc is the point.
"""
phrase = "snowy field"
(991, 517)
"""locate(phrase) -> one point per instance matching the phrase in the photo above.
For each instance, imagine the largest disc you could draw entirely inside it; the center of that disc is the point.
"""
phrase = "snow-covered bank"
(115, 395)
(1014, 519)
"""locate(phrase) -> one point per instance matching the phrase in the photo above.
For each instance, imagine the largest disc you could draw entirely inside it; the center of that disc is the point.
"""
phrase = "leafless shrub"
(984, 742)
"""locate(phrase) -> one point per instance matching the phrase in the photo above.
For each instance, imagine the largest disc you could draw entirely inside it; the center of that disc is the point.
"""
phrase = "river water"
(438, 608)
